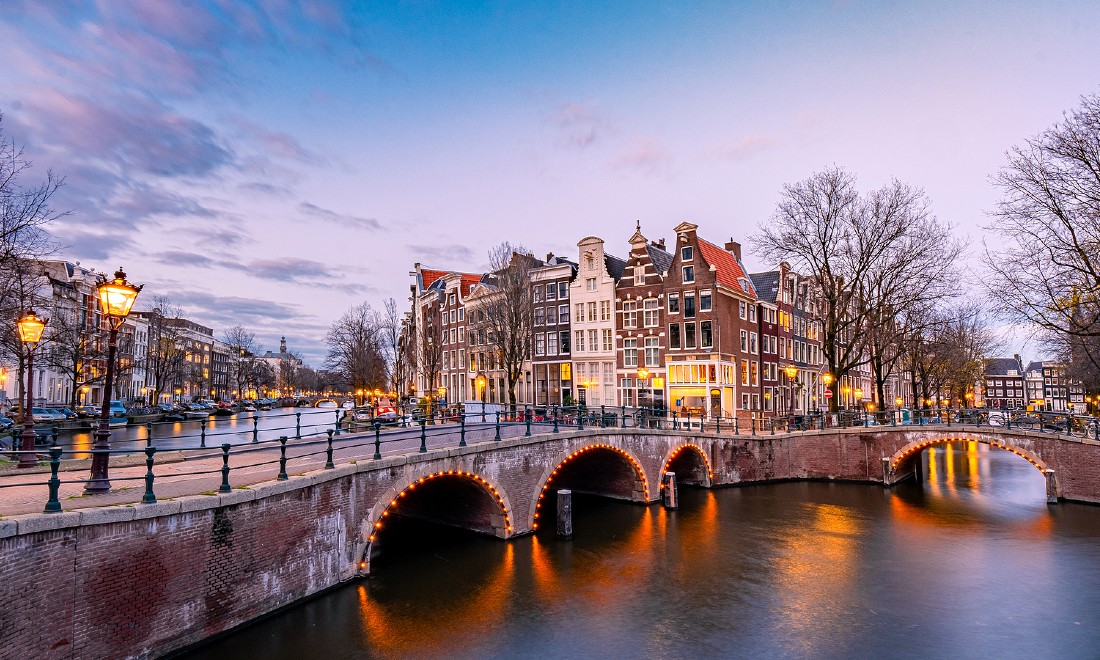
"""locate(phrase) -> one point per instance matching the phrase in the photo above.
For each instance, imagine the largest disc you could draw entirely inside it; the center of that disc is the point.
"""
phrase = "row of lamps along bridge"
(116, 299)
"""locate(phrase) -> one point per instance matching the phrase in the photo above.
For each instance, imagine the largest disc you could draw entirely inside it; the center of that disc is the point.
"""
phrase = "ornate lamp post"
(845, 390)
(116, 298)
(30, 333)
(792, 373)
(481, 382)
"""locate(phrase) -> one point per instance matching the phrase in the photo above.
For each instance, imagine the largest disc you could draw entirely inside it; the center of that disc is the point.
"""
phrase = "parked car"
(40, 415)
(117, 409)
(87, 411)
(69, 414)
(6, 422)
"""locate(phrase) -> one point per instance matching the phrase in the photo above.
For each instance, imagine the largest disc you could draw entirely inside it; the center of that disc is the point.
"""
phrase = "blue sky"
(273, 164)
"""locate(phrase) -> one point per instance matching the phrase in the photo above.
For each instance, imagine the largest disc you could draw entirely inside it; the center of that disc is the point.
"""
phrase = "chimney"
(734, 247)
(549, 257)
(659, 243)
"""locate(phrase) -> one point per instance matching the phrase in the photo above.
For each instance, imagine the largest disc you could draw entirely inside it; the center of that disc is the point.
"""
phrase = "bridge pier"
(565, 514)
(670, 497)
(1052, 487)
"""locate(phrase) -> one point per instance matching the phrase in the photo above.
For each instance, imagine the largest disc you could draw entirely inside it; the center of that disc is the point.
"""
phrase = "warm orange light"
(117, 296)
(791, 371)
(858, 393)
(643, 373)
(827, 379)
(31, 327)
(899, 401)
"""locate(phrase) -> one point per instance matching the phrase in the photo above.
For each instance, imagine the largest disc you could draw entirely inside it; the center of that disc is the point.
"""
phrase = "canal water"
(972, 563)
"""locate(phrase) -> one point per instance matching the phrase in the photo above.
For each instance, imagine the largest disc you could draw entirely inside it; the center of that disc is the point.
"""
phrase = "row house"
(1049, 390)
(552, 361)
(592, 294)
(456, 365)
(713, 356)
(639, 323)
(1004, 383)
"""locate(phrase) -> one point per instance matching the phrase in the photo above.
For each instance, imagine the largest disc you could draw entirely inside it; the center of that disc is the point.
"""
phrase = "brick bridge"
(148, 579)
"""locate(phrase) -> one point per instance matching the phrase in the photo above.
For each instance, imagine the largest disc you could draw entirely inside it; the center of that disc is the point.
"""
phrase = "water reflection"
(969, 563)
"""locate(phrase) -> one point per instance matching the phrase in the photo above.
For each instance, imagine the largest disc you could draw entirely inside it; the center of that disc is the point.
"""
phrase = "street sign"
(828, 394)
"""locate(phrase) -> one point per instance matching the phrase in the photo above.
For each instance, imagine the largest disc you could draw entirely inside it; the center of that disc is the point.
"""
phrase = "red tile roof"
(431, 276)
(468, 281)
(729, 272)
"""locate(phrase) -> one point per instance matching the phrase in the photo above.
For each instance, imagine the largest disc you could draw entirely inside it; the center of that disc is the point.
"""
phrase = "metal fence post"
(297, 425)
(336, 426)
(225, 470)
(202, 433)
(255, 429)
(622, 415)
(282, 459)
(674, 420)
(497, 438)
(527, 417)
(771, 423)
(555, 421)
(718, 425)
(423, 436)
(462, 429)
(149, 497)
(377, 441)
(149, 434)
(53, 505)
(580, 419)
(736, 429)
(328, 463)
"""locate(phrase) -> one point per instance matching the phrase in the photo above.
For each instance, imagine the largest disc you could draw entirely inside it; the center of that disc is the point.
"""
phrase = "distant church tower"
(282, 345)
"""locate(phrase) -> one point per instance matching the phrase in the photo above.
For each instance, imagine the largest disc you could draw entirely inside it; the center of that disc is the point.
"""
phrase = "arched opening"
(434, 507)
(983, 473)
(691, 466)
(320, 403)
(601, 470)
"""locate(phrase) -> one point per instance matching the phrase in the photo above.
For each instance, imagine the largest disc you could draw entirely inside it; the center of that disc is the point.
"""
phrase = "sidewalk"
(179, 474)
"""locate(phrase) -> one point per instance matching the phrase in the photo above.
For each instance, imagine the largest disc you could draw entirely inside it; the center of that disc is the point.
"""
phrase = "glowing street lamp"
(792, 373)
(643, 376)
(116, 299)
(30, 333)
(899, 401)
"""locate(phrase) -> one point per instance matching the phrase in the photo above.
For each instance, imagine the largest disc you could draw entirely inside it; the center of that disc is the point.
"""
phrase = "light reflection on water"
(970, 563)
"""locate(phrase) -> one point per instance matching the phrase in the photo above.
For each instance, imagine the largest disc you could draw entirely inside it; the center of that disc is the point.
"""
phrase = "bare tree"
(869, 259)
(242, 356)
(396, 357)
(508, 311)
(356, 348)
(72, 350)
(164, 364)
(24, 209)
(1047, 271)
(429, 350)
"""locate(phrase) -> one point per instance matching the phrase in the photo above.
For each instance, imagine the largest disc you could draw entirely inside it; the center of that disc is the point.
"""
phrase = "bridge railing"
(301, 445)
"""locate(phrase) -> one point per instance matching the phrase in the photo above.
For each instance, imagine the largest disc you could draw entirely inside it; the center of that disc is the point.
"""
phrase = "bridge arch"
(584, 467)
(900, 460)
(691, 465)
(487, 508)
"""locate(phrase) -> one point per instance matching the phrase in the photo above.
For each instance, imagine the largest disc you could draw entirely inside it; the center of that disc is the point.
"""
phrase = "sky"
(273, 164)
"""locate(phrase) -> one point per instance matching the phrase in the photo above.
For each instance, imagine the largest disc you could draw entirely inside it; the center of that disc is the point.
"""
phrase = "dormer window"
(639, 275)
(689, 274)
(685, 253)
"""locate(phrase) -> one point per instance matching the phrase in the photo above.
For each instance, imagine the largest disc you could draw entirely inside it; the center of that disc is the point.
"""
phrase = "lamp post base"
(28, 458)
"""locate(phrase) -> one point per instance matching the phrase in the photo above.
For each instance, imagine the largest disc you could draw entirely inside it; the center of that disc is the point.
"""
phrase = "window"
(639, 275)
(590, 284)
(540, 316)
(462, 359)
(451, 299)
(704, 301)
(744, 372)
(461, 313)
(741, 310)
(592, 345)
(630, 352)
(454, 315)
(540, 344)
(563, 313)
(551, 343)
(704, 335)
(454, 335)
(689, 304)
(674, 335)
(578, 312)
(589, 262)
(607, 346)
(563, 290)
(685, 253)
(551, 291)
(689, 274)
(752, 312)
(563, 336)
(673, 303)
(580, 341)
(650, 312)
(591, 311)
(752, 343)
(630, 314)
(689, 335)
(537, 293)
(652, 347)
(755, 373)
(445, 317)
(551, 315)
(744, 341)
